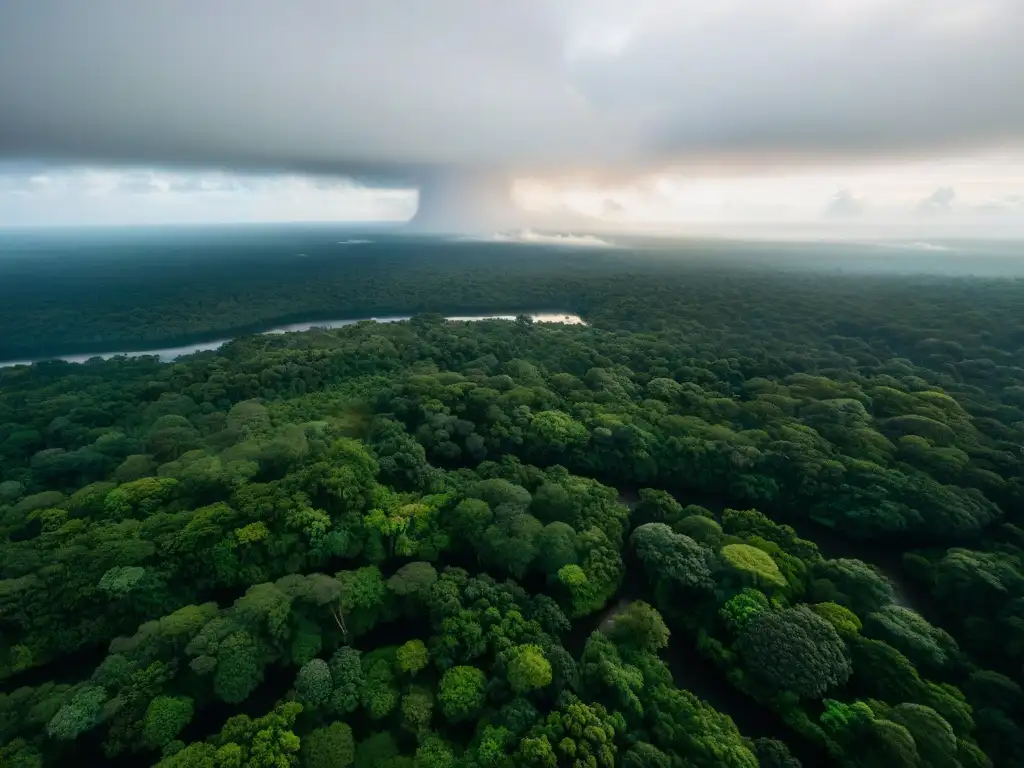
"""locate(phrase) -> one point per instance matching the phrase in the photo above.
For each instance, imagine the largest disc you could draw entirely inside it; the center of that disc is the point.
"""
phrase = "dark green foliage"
(313, 683)
(328, 747)
(928, 647)
(671, 559)
(772, 753)
(417, 709)
(934, 738)
(701, 529)
(852, 583)
(254, 523)
(165, 717)
(641, 627)
(795, 650)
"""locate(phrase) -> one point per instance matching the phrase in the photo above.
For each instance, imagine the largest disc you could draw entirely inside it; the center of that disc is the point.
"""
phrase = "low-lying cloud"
(530, 237)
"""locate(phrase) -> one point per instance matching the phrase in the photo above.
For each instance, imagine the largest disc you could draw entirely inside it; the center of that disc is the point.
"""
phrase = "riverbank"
(171, 353)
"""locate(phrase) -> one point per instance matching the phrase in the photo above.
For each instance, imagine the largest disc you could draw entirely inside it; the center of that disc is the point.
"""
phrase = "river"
(169, 354)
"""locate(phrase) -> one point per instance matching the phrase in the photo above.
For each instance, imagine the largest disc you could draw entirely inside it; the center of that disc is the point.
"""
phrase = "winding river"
(169, 354)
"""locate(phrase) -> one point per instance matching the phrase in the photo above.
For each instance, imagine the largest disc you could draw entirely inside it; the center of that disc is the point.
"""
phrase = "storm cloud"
(390, 91)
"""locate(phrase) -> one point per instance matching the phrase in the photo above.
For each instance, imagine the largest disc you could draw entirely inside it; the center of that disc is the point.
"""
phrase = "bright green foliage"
(379, 695)
(165, 718)
(639, 626)
(328, 747)
(81, 714)
(605, 674)
(537, 752)
(492, 745)
(434, 752)
(417, 710)
(119, 581)
(266, 742)
(843, 619)
(238, 668)
(581, 593)
(579, 734)
(795, 650)
(682, 723)
(528, 669)
(839, 717)
(752, 563)
(341, 481)
(739, 609)
(461, 692)
(139, 498)
(347, 675)
(412, 656)
(558, 430)
(313, 684)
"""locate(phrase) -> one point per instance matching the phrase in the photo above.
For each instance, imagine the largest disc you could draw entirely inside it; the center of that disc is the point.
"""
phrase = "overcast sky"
(634, 113)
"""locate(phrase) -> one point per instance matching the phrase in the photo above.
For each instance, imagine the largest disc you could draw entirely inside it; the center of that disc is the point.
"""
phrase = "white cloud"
(530, 237)
(82, 196)
(844, 203)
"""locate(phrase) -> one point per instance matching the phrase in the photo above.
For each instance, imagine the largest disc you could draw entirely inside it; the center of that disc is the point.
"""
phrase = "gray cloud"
(938, 201)
(1004, 203)
(139, 183)
(611, 207)
(844, 204)
(388, 91)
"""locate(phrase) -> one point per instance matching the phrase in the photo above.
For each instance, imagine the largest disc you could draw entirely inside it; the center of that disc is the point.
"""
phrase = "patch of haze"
(915, 246)
(530, 237)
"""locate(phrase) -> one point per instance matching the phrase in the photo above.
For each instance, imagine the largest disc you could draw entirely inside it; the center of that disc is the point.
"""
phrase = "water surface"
(169, 354)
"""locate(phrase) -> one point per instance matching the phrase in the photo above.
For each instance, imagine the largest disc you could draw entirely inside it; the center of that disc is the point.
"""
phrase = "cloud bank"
(391, 91)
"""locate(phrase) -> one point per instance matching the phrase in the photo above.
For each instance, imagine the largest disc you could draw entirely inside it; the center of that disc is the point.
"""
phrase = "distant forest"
(746, 516)
(82, 291)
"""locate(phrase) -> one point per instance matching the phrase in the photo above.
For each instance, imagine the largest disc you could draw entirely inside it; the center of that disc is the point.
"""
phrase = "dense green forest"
(432, 544)
(82, 291)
